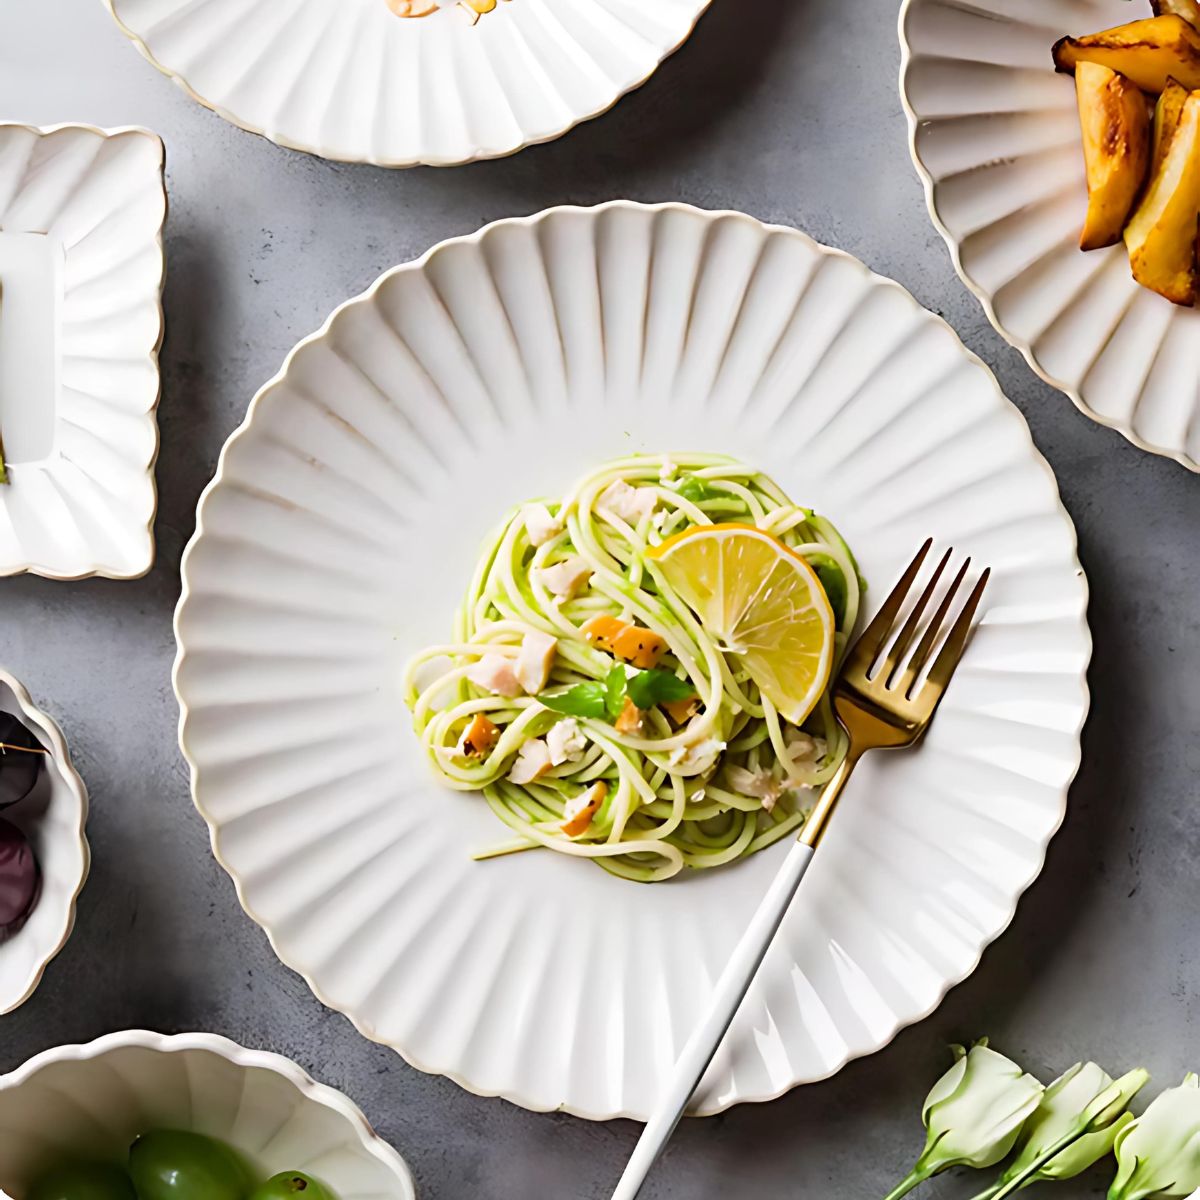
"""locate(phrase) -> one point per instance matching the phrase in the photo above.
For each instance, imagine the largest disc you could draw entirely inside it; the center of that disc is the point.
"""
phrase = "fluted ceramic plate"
(81, 321)
(53, 817)
(350, 80)
(341, 531)
(91, 1101)
(995, 136)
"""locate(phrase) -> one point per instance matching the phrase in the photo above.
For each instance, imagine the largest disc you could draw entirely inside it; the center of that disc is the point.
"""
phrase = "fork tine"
(866, 649)
(956, 641)
(895, 657)
(932, 632)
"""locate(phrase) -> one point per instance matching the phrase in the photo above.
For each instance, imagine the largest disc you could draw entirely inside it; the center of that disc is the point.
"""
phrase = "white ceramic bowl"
(339, 536)
(348, 80)
(995, 137)
(53, 818)
(91, 1101)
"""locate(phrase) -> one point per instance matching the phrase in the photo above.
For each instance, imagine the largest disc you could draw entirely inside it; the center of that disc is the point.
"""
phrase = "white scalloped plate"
(995, 136)
(348, 80)
(340, 531)
(81, 265)
(53, 817)
(92, 1100)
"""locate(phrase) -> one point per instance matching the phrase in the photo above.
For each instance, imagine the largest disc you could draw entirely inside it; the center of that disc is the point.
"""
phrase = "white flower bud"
(974, 1114)
(1060, 1114)
(1159, 1154)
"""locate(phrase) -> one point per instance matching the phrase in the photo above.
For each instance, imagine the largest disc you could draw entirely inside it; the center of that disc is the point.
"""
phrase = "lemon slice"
(762, 602)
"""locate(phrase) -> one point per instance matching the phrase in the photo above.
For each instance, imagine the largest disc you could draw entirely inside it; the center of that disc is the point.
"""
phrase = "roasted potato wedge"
(1189, 10)
(1161, 235)
(1116, 149)
(1149, 52)
(1167, 112)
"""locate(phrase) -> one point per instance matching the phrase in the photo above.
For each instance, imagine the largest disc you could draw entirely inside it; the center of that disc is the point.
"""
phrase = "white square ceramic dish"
(81, 322)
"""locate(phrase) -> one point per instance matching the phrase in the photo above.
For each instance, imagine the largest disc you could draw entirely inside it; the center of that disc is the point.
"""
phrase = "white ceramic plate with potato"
(996, 137)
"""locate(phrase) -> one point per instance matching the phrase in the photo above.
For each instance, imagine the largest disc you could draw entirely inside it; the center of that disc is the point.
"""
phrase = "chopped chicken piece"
(681, 711)
(532, 762)
(631, 718)
(478, 738)
(564, 579)
(540, 525)
(535, 660)
(629, 503)
(579, 811)
(803, 748)
(668, 470)
(494, 673)
(566, 742)
(697, 754)
(761, 785)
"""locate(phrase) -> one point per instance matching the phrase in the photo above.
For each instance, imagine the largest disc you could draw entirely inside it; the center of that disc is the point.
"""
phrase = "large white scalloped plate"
(340, 531)
(348, 80)
(92, 1100)
(995, 137)
(86, 506)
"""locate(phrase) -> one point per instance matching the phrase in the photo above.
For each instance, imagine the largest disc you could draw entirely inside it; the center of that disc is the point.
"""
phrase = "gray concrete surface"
(787, 109)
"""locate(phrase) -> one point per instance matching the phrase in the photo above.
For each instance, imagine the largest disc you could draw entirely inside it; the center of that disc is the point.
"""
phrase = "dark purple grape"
(18, 875)
(19, 767)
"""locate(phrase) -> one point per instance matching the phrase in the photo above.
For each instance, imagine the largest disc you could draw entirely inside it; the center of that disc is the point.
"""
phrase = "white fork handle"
(702, 1045)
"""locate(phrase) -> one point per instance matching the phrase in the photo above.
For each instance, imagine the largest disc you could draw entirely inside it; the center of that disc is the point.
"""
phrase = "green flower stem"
(914, 1179)
(1019, 1180)
(990, 1193)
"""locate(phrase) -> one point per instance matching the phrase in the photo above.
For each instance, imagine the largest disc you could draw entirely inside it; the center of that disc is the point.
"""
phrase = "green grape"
(288, 1185)
(171, 1165)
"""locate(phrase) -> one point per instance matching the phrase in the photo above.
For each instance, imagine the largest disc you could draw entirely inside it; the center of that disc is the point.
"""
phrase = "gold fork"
(885, 698)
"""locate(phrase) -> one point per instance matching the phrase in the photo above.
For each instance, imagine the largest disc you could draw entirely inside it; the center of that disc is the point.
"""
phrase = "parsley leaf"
(614, 692)
(604, 701)
(582, 700)
(648, 688)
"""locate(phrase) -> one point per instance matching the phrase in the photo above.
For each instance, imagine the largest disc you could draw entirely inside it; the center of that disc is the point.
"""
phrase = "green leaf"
(614, 692)
(648, 688)
(694, 488)
(834, 583)
(582, 700)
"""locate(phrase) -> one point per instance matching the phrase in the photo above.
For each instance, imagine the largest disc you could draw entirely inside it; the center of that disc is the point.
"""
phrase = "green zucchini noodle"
(681, 788)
